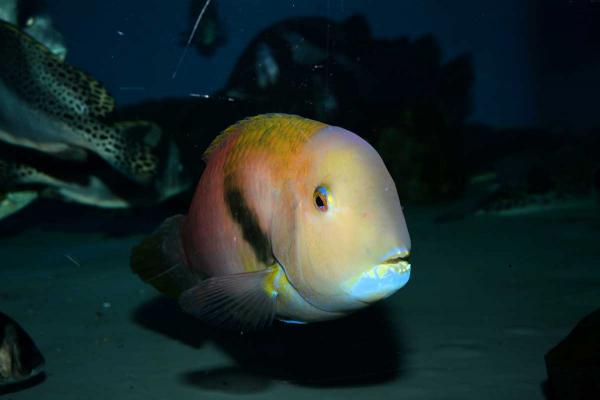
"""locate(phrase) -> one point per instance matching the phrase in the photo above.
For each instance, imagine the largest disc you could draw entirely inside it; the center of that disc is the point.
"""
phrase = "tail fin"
(130, 148)
(160, 259)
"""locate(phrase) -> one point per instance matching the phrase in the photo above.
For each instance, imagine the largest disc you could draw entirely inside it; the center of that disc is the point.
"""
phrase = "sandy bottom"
(487, 299)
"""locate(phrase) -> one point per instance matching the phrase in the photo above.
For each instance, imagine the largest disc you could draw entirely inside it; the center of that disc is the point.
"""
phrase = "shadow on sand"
(22, 385)
(361, 349)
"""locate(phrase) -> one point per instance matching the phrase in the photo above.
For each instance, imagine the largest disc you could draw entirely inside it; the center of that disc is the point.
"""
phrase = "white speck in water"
(120, 33)
(106, 304)
(206, 96)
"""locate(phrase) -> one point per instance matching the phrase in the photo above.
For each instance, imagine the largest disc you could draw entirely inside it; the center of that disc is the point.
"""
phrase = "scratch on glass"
(187, 45)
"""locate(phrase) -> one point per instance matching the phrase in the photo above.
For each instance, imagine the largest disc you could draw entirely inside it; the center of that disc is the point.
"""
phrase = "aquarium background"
(485, 113)
(529, 56)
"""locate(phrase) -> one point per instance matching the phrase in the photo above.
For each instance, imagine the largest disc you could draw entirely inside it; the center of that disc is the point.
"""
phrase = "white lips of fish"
(382, 280)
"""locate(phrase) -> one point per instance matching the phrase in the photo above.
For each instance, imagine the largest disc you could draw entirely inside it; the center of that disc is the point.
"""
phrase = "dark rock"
(573, 366)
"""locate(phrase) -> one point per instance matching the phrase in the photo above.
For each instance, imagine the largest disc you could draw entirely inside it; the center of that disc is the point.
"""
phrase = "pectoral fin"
(243, 301)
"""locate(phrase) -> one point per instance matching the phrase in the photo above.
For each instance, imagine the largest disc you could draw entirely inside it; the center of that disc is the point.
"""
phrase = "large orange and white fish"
(292, 219)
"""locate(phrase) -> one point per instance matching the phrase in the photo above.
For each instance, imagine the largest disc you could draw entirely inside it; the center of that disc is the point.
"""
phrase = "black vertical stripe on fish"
(247, 220)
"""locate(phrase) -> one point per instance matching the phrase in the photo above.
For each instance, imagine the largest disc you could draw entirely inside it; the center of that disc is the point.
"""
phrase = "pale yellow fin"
(242, 302)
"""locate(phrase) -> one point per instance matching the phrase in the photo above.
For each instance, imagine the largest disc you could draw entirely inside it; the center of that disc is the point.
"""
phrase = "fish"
(55, 108)
(22, 182)
(20, 359)
(18, 180)
(291, 220)
(31, 17)
(41, 27)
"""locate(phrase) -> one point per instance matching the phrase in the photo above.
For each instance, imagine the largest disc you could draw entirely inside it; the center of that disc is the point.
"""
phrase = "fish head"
(343, 240)
(41, 27)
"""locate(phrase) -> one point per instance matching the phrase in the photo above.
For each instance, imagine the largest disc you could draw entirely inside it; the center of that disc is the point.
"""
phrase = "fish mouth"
(398, 259)
(376, 284)
(381, 281)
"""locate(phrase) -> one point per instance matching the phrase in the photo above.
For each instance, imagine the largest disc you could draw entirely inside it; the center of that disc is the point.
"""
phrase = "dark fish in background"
(398, 94)
(30, 16)
(52, 107)
(211, 33)
(290, 63)
(20, 359)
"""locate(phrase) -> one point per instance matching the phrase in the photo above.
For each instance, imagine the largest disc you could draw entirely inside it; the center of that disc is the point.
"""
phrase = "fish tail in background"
(160, 259)
(131, 149)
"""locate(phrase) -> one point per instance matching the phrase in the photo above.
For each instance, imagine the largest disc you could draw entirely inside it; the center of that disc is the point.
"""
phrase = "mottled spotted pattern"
(48, 83)
(12, 174)
(69, 95)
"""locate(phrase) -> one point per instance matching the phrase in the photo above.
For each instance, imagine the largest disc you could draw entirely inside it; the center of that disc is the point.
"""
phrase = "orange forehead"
(276, 138)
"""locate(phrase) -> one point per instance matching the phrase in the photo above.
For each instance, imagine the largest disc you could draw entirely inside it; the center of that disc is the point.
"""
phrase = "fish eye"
(321, 198)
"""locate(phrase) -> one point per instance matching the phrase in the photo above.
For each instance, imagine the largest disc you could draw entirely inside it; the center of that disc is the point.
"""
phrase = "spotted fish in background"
(292, 219)
(20, 359)
(50, 106)
(21, 182)
(16, 176)
(30, 16)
